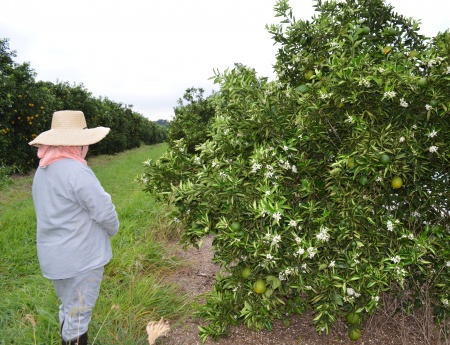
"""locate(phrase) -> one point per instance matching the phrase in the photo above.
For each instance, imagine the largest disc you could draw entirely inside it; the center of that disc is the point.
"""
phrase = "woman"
(75, 220)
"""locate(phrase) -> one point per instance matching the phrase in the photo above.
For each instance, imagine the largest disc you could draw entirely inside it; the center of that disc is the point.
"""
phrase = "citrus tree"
(27, 105)
(327, 187)
(193, 115)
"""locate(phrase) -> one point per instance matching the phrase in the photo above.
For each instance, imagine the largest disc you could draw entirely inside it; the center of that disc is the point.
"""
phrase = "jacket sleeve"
(93, 198)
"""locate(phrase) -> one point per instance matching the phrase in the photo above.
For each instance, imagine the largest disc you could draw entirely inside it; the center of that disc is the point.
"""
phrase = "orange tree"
(327, 187)
(26, 109)
(192, 119)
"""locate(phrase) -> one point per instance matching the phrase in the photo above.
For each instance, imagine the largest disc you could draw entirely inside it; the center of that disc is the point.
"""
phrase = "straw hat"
(69, 129)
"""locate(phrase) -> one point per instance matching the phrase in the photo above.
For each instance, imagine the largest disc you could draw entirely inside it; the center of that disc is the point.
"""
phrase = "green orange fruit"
(235, 226)
(354, 334)
(423, 82)
(309, 74)
(352, 318)
(350, 163)
(363, 180)
(434, 103)
(246, 272)
(259, 286)
(384, 159)
(397, 182)
(391, 32)
(413, 54)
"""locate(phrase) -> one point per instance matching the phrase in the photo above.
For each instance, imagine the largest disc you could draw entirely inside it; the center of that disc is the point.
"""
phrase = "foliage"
(27, 105)
(191, 120)
(298, 163)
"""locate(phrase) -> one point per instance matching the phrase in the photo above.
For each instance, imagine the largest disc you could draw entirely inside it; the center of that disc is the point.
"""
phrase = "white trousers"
(78, 296)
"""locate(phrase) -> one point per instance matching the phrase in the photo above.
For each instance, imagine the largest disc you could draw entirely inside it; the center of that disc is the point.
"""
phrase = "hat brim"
(70, 137)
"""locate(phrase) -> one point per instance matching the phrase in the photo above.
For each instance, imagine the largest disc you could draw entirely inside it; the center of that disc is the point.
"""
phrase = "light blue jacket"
(75, 219)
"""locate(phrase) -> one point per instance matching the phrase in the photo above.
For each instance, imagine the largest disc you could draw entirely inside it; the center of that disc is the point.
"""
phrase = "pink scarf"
(50, 154)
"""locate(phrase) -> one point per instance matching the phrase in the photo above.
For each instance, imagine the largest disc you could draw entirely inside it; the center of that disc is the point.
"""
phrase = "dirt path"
(197, 277)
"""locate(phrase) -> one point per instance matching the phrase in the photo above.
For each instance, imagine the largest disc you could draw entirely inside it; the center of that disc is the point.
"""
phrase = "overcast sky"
(148, 52)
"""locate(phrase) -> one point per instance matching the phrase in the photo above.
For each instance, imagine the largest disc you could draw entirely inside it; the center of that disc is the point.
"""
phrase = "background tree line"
(27, 106)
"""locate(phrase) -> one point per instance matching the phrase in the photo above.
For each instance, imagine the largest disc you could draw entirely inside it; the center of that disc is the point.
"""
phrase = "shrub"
(306, 165)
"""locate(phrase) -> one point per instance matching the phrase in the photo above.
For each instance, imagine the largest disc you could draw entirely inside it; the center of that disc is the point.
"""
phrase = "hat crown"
(68, 119)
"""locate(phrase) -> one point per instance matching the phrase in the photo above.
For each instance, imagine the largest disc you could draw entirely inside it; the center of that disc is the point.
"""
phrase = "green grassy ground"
(132, 292)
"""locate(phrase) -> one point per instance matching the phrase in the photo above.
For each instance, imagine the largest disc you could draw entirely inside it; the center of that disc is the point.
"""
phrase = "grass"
(132, 293)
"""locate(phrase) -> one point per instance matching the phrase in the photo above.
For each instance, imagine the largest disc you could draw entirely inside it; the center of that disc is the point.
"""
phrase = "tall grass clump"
(132, 293)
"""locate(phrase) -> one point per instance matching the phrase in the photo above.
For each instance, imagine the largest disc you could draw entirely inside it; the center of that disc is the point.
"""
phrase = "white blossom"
(334, 45)
(268, 174)
(324, 95)
(311, 252)
(432, 134)
(447, 264)
(364, 82)
(415, 214)
(267, 192)
(395, 259)
(293, 223)
(389, 225)
(428, 107)
(402, 139)
(277, 216)
(445, 302)
(349, 119)
(276, 239)
(197, 160)
(332, 264)
(287, 165)
(256, 167)
(403, 103)
(433, 149)
(448, 70)
(389, 94)
(323, 235)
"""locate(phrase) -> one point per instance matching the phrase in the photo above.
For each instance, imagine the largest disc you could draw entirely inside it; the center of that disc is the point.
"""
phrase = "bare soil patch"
(197, 276)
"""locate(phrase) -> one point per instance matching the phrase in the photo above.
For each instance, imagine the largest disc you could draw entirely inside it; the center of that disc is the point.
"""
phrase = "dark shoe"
(82, 340)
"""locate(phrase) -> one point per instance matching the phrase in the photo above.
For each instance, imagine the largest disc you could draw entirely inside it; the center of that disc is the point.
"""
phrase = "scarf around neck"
(51, 154)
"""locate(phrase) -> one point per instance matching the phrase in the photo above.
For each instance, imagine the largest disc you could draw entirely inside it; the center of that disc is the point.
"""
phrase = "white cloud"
(148, 52)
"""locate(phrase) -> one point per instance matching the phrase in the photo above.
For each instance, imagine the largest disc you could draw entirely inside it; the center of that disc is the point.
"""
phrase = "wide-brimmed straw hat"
(69, 128)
